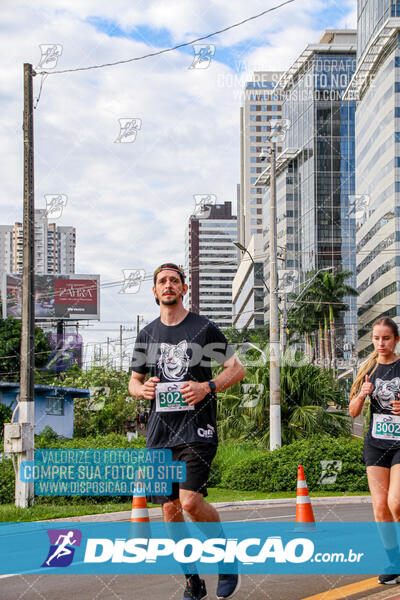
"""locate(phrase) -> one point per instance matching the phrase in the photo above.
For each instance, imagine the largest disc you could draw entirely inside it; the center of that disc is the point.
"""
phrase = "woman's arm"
(356, 403)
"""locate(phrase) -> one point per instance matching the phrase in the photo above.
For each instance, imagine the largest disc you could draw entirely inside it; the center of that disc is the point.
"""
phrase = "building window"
(54, 405)
(395, 9)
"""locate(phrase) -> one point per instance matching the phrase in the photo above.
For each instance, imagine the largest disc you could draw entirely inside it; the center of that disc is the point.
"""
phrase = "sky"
(130, 197)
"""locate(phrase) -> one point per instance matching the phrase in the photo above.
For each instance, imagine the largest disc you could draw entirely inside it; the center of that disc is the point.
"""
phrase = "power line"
(204, 37)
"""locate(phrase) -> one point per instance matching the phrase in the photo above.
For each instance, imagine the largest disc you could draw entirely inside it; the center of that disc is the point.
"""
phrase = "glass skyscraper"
(376, 86)
(316, 182)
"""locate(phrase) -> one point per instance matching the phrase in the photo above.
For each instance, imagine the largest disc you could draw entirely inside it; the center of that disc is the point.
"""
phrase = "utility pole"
(283, 324)
(60, 345)
(24, 491)
(120, 347)
(275, 389)
(137, 324)
(108, 353)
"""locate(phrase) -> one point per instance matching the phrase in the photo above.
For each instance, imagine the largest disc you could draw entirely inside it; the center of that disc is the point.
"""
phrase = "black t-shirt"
(179, 353)
(386, 380)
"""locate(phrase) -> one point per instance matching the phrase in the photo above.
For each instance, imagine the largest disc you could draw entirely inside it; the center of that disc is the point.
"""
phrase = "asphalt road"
(170, 587)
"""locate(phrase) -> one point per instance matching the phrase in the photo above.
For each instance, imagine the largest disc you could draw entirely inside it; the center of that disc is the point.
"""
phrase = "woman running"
(379, 378)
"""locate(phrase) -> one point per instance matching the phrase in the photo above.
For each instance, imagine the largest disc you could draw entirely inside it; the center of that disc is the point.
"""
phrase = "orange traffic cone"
(304, 512)
(140, 512)
(140, 522)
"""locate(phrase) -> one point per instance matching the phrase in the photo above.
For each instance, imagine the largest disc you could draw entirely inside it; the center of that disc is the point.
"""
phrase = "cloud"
(130, 201)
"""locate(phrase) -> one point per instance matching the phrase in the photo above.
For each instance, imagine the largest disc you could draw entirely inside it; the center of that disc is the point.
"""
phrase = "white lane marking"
(266, 518)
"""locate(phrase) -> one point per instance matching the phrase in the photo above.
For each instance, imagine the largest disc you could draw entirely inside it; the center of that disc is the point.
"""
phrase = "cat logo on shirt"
(174, 360)
(386, 391)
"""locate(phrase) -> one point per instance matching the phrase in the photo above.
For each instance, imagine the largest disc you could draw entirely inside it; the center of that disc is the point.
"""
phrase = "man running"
(176, 351)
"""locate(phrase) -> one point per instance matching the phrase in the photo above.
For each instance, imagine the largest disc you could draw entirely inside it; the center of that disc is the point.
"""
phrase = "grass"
(38, 512)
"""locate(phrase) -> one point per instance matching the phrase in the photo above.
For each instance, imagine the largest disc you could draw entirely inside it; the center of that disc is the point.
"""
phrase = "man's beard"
(169, 301)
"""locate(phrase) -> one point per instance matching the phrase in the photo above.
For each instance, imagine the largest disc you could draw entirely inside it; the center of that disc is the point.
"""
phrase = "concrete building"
(211, 261)
(54, 405)
(248, 290)
(66, 243)
(315, 171)
(261, 107)
(54, 247)
(6, 248)
(376, 87)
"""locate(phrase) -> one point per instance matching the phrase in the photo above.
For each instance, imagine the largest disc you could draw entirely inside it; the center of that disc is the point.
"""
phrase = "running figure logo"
(62, 542)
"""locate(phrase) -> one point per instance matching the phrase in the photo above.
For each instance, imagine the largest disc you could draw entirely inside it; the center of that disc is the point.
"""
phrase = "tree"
(307, 392)
(10, 348)
(329, 290)
(116, 406)
(322, 303)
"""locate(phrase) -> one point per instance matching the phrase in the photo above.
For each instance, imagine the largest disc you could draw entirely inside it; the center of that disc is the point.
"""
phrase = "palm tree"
(323, 303)
(329, 290)
(306, 393)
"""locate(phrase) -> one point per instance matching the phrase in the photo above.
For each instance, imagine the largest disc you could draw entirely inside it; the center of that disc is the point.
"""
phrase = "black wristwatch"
(213, 387)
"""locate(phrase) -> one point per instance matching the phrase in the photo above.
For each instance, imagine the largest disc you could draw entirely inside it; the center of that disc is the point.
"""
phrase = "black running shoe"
(228, 585)
(389, 579)
(195, 590)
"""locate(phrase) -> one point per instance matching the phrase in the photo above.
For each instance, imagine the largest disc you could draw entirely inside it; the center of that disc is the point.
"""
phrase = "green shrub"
(5, 417)
(112, 440)
(277, 470)
(7, 481)
(227, 455)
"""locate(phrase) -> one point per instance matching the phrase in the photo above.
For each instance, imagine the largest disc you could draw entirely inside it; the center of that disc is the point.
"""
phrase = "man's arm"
(233, 372)
(141, 389)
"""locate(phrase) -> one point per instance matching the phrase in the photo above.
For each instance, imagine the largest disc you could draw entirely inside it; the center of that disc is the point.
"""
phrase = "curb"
(156, 512)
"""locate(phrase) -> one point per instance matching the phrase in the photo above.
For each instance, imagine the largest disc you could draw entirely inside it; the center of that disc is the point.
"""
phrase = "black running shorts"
(198, 458)
(380, 457)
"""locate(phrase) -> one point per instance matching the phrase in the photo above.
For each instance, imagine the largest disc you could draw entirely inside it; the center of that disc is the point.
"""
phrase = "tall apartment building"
(65, 244)
(248, 290)
(6, 248)
(315, 172)
(211, 261)
(376, 87)
(261, 107)
(54, 247)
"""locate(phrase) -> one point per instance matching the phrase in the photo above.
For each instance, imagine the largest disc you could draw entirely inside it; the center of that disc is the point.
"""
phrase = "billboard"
(56, 296)
(66, 350)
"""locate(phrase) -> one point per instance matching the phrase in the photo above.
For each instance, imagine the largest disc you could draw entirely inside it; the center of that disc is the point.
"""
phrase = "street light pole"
(275, 437)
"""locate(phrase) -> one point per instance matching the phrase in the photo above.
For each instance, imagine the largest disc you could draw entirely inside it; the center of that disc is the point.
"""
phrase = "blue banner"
(144, 548)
